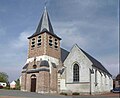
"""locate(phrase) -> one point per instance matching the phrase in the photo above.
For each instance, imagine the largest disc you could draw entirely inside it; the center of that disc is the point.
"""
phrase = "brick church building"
(52, 69)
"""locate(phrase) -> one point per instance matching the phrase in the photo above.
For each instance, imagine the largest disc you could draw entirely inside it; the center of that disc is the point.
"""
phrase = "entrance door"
(33, 84)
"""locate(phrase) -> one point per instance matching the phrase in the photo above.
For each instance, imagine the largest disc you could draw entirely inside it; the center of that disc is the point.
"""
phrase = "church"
(52, 69)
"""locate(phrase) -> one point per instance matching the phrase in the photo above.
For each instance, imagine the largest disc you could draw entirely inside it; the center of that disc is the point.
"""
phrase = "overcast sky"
(93, 24)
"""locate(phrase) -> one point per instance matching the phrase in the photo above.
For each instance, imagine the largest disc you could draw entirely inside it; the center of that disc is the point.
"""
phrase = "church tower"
(44, 41)
(40, 71)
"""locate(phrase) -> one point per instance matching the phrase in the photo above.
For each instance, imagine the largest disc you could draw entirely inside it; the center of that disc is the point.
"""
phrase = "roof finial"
(46, 4)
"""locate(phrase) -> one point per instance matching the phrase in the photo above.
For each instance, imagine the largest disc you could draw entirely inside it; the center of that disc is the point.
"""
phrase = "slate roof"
(64, 54)
(96, 63)
(44, 63)
(61, 71)
(118, 77)
(37, 70)
(44, 26)
(26, 65)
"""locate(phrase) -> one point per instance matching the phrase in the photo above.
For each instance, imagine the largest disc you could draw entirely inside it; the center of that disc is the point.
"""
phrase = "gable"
(76, 55)
(95, 63)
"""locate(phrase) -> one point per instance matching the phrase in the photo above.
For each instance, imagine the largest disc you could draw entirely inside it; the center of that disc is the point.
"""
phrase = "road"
(20, 94)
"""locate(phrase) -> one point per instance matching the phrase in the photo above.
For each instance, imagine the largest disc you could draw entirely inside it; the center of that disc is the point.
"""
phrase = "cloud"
(69, 34)
(13, 49)
(82, 9)
(21, 41)
(111, 63)
(113, 68)
(14, 54)
(100, 41)
(87, 33)
(13, 72)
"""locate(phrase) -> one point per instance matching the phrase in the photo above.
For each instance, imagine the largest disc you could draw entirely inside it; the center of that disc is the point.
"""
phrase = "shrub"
(63, 93)
(7, 87)
(17, 88)
(75, 93)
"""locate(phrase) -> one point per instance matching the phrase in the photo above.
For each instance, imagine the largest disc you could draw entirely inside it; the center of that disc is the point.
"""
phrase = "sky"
(92, 24)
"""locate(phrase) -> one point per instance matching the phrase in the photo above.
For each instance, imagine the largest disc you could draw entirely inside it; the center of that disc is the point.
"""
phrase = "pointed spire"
(44, 25)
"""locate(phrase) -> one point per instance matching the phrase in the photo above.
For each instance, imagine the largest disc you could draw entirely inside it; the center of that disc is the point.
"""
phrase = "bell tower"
(44, 41)
(40, 71)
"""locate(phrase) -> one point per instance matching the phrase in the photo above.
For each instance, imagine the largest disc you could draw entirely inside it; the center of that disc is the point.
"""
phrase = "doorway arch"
(33, 83)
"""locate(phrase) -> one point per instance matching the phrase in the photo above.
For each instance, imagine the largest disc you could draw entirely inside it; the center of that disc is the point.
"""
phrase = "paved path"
(20, 94)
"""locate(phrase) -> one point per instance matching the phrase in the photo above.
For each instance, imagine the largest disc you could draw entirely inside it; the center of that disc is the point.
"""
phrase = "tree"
(17, 84)
(3, 77)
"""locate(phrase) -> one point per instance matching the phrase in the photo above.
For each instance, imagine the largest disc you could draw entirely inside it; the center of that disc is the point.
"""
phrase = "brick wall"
(44, 84)
(45, 48)
(53, 82)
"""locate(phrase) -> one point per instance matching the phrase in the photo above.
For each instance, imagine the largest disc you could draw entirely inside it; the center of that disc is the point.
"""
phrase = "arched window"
(76, 73)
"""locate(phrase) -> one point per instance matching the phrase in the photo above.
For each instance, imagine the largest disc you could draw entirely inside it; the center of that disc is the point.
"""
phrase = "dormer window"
(56, 43)
(50, 41)
(39, 41)
(33, 43)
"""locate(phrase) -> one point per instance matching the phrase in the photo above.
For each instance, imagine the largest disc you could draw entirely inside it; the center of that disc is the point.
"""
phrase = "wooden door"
(33, 84)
